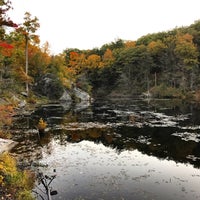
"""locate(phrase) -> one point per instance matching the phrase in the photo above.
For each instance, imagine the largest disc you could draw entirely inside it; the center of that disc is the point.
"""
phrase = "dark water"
(119, 149)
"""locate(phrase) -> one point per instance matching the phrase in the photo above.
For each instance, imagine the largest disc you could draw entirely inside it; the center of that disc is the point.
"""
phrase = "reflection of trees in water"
(46, 143)
(103, 135)
(45, 181)
(161, 143)
(156, 141)
(30, 146)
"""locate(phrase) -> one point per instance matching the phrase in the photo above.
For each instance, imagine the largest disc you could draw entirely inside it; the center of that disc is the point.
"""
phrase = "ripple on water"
(105, 173)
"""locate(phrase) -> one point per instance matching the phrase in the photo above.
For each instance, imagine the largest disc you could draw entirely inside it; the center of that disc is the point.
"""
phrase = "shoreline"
(6, 145)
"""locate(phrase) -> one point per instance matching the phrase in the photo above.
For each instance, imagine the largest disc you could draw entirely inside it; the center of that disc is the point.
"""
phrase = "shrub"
(13, 182)
(163, 91)
(25, 195)
(6, 113)
(42, 124)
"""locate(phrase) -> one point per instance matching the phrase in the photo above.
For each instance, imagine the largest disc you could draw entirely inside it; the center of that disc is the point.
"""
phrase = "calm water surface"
(120, 149)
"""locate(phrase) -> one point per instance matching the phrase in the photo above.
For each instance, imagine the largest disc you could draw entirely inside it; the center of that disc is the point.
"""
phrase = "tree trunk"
(191, 79)
(155, 79)
(26, 70)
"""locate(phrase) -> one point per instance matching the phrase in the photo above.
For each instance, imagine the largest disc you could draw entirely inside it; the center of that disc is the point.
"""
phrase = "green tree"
(157, 50)
(187, 54)
(170, 70)
(135, 64)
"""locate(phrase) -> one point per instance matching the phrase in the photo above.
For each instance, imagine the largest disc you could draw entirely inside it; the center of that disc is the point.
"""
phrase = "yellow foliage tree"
(108, 57)
(130, 44)
(94, 61)
(12, 181)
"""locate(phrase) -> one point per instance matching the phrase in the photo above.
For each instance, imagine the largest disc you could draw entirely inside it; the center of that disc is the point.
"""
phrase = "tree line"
(166, 64)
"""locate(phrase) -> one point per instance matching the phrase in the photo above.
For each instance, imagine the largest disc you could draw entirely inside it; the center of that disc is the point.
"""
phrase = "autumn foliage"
(14, 184)
(167, 58)
(6, 45)
(41, 124)
(6, 114)
(5, 6)
(6, 49)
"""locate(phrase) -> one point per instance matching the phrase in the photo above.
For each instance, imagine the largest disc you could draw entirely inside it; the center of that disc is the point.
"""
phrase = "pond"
(115, 149)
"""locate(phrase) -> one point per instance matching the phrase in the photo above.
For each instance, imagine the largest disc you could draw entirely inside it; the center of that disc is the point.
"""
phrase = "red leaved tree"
(5, 6)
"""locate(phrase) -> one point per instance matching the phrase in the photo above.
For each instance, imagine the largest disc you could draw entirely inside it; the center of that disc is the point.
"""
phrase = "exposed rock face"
(6, 145)
(79, 94)
(65, 97)
(49, 85)
(82, 95)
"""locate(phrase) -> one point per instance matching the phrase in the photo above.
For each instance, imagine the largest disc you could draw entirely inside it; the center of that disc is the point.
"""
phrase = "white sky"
(86, 24)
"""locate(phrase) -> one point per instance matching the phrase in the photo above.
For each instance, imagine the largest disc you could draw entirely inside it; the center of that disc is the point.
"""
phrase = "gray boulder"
(65, 97)
(50, 86)
(82, 95)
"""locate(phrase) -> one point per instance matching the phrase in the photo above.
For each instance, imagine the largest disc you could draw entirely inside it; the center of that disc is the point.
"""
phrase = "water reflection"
(164, 129)
(124, 149)
(87, 170)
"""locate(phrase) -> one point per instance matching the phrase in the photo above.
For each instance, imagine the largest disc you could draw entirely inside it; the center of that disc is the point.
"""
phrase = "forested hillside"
(161, 65)
(165, 64)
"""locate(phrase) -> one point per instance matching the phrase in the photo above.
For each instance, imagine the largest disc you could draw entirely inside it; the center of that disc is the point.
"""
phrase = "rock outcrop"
(50, 86)
(66, 97)
(6, 145)
(82, 95)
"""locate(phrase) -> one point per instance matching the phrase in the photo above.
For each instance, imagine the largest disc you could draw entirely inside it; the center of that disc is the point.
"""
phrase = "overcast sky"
(86, 24)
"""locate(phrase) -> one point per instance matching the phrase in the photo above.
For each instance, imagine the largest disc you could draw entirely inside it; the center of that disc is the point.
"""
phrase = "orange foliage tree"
(6, 51)
(108, 58)
(6, 113)
(94, 61)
